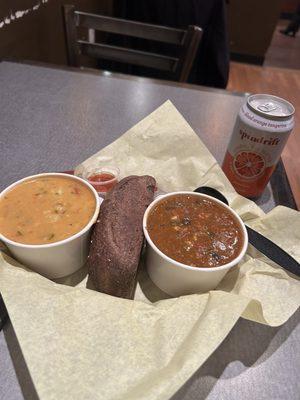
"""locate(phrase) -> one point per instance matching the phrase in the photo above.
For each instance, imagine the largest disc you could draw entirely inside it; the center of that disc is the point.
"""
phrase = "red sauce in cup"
(103, 182)
(103, 177)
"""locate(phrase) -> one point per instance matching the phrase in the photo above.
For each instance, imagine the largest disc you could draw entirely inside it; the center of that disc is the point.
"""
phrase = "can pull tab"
(267, 107)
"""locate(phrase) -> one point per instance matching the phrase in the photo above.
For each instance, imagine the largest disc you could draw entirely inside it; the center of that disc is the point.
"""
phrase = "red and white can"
(260, 133)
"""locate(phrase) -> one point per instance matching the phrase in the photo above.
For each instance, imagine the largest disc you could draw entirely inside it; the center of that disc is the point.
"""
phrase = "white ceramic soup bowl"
(58, 259)
(177, 279)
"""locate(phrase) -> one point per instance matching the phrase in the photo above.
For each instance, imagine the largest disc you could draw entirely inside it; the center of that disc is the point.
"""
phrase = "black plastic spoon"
(3, 313)
(260, 242)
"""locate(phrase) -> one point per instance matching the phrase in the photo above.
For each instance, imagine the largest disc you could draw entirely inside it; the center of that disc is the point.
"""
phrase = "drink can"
(261, 130)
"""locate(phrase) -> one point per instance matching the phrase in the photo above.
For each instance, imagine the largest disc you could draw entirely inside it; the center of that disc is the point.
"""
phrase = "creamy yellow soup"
(45, 210)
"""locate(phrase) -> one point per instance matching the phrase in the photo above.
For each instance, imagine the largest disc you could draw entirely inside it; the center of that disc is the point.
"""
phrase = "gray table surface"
(51, 120)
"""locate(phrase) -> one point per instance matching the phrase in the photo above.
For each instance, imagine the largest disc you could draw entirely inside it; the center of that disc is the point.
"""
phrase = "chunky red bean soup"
(195, 231)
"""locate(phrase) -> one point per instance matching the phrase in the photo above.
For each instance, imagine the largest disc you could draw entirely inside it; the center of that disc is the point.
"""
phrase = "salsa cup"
(58, 259)
(177, 279)
(102, 187)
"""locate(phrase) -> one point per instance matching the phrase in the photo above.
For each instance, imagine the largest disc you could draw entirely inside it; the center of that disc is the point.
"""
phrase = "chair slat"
(130, 28)
(189, 50)
(130, 56)
(70, 34)
(187, 42)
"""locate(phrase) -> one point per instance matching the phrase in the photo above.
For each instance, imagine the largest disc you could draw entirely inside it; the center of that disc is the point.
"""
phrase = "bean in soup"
(195, 231)
(45, 210)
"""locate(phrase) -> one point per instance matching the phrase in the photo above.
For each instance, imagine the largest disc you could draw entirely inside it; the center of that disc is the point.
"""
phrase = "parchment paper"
(81, 344)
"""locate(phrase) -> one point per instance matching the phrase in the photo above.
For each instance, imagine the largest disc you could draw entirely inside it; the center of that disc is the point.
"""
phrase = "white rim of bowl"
(68, 239)
(232, 263)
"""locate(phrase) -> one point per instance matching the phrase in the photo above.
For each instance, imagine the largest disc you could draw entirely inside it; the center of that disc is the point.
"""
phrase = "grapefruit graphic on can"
(260, 133)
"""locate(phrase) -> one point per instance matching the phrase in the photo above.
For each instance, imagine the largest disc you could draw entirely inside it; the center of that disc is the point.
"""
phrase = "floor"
(280, 76)
(284, 51)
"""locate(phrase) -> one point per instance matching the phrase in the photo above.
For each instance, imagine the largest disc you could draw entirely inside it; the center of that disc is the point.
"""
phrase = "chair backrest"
(187, 41)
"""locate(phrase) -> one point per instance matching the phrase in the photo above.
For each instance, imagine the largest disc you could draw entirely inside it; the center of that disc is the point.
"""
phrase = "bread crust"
(118, 237)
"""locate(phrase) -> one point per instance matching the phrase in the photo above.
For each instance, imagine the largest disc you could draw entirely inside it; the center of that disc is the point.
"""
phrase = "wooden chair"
(187, 41)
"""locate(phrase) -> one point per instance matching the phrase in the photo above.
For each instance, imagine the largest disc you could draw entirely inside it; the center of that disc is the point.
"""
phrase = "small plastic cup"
(103, 179)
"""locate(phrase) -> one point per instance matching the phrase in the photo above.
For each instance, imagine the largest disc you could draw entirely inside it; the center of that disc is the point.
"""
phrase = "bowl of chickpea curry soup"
(192, 241)
(45, 221)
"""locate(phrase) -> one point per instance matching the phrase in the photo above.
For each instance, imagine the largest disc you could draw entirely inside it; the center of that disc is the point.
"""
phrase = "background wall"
(33, 29)
(251, 25)
(288, 7)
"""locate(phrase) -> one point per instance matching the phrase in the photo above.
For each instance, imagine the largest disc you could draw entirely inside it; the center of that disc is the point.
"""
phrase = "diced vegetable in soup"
(195, 231)
(45, 210)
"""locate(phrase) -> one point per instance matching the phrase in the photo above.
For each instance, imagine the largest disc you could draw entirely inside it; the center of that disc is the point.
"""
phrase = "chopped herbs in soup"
(195, 231)
(45, 209)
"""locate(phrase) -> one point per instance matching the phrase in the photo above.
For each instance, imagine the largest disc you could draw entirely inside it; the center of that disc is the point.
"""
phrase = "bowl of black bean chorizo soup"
(192, 242)
(46, 221)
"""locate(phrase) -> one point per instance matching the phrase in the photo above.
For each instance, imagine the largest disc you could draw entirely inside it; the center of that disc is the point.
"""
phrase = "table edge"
(135, 78)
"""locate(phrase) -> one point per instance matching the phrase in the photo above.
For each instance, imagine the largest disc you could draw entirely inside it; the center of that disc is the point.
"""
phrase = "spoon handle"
(273, 252)
(260, 242)
(3, 313)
